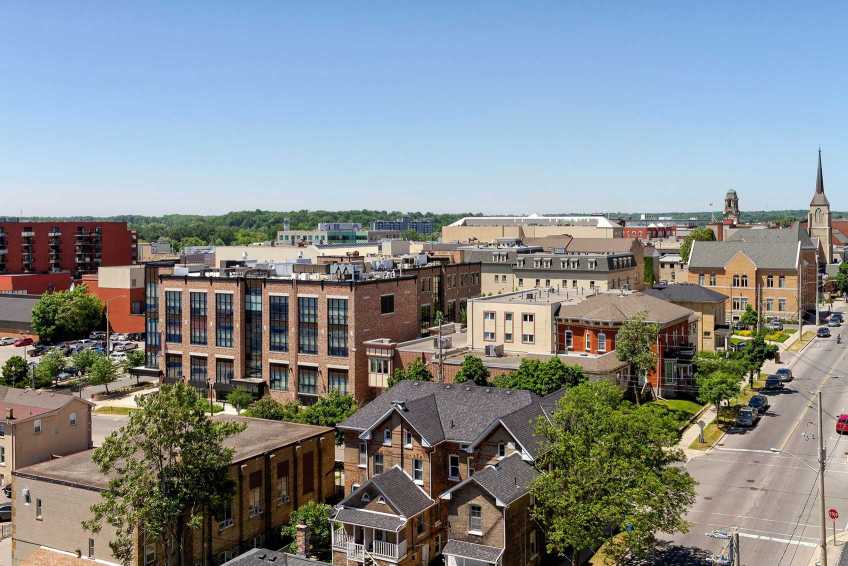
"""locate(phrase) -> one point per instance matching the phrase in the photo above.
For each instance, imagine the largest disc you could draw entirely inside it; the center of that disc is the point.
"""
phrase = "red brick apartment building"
(43, 251)
(294, 336)
(437, 469)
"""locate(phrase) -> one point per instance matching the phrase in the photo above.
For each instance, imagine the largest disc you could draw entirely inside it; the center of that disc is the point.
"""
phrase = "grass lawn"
(777, 337)
(798, 344)
(114, 410)
(712, 433)
(681, 409)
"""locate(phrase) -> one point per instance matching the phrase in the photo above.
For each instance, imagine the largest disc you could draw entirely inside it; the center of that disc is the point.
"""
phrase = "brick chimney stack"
(301, 540)
(10, 414)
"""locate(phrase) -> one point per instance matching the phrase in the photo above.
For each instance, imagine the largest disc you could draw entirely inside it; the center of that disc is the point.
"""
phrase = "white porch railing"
(341, 539)
(356, 552)
(390, 550)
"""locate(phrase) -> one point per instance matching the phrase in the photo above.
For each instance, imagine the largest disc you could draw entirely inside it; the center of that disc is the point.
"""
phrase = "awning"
(473, 551)
(142, 371)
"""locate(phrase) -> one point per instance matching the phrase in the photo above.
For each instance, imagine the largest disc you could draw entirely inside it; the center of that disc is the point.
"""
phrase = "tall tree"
(697, 235)
(415, 371)
(15, 372)
(609, 465)
(717, 386)
(472, 370)
(841, 280)
(102, 371)
(168, 466)
(66, 314)
(49, 367)
(634, 344)
(316, 517)
(134, 359)
(541, 377)
(749, 317)
(756, 352)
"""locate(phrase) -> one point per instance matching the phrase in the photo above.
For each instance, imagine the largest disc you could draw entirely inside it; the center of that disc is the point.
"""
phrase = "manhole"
(750, 481)
(708, 498)
(752, 488)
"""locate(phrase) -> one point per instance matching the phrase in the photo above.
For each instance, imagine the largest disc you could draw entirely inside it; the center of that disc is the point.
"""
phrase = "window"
(701, 279)
(337, 327)
(770, 281)
(307, 325)
(744, 280)
(407, 438)
(283, 482)
(735, 280)
(2, 429)
(520, 282)
(769, 304)
(255, 506)
(533, 542)
(387, 304)
(488, 315)
(378, 372)
(377, 468)
(307, 380)
(2, 455)
(224, 320)
(507, 336)
(488, 336)
(224, 370)
(526, 317)
(453, 467)
(197, 311)
(418, 470)
(475, 519)
(781, 305)
(366, 498)
(419, 524)
(308, 473)
(528, 338)
(507, 317)
(173, 317)
(587, 342)
(72, 419)
(712, 279)
(27, 497)
(149, 554)
(569, 340)
(424, 317)
(198, 371)
(279, 323)
(363, 455)
(225, 514)
(279, 377)
(602, 342)
(174, 367)
(387, 437)
(36, 425)
(337, 380)
(501, 450)
(781, 281)
(91, 548)
(253, 328)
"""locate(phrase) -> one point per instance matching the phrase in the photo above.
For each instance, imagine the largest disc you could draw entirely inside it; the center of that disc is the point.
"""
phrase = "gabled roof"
(506, 481)
(402, 494)
(437, 411)
(26, 403)
(765, 255)
(794, 234)
(617, 308)
(479, 552)
(687, 293)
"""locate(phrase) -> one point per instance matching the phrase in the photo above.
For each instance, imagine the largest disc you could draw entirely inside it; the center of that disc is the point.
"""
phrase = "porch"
(359, 541)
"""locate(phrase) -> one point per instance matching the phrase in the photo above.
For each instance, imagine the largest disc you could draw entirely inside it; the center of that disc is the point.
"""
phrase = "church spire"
(819, 198)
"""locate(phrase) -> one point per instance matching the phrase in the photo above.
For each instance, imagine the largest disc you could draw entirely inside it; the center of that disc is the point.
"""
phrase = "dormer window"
(366, 498)
(501, 450)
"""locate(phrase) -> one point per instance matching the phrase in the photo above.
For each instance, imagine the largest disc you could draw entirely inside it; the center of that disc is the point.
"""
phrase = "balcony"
(54, 234)
(27, 234)
(369, 546)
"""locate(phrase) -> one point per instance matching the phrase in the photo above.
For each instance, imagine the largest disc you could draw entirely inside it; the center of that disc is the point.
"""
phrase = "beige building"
(37, 425)
(488, 229)
(276, 467)
(707, 304)
(672, 269)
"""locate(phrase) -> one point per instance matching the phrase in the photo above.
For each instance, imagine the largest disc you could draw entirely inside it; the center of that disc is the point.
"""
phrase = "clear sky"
(130, 107)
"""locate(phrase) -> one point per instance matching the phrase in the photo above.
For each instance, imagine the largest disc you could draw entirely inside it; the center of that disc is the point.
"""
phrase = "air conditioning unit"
(446, 342)
(493, 350)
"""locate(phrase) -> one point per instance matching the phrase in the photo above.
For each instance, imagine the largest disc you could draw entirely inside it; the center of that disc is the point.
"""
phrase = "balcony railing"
(376, 548)
(27, 234)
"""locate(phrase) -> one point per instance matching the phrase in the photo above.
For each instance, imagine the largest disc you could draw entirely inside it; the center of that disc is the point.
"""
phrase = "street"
(773, 498)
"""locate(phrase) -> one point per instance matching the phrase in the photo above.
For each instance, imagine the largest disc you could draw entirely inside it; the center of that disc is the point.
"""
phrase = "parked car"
(6, 512)
(842, 424)
(747, 416)
(36, 351)
(759, 403)
(775, 324)
(785, 374)
(118, 356)
(823, 332)
(125, 346)
(834, 320)
(97, 335)
(7, 341)
(773, 383)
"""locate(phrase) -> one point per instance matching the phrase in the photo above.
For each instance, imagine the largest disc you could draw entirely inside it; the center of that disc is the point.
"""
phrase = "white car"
(117, 356)
(7, 341)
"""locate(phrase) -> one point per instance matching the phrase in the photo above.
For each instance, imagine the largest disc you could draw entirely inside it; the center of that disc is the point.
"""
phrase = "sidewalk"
(837, 555)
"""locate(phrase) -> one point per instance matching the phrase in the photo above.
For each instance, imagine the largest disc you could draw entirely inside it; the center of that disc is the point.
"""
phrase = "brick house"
(295, 336)
(437, 469)
(276, 467)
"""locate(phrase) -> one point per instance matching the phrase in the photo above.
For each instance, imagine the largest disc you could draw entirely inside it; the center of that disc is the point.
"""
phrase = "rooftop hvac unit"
(446, 342)
(494, 350)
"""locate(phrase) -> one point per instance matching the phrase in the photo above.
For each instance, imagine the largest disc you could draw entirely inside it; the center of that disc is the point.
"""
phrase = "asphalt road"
(773, 498)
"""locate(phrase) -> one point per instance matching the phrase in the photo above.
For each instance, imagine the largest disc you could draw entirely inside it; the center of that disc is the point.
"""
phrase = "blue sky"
(205, 107)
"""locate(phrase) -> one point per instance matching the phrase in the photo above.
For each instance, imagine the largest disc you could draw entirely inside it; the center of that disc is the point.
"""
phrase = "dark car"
(835, 320)
(785, 374)
(6, 512)
(747, 416)
(760, 403)
(773, 383)
(823, 332)
(36, 351)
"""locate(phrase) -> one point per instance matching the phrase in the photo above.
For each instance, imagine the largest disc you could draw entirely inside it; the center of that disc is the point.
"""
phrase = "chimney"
(10, 414)
(301, 540)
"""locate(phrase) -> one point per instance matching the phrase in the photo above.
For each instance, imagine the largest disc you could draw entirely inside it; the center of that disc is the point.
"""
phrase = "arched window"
(818, 215)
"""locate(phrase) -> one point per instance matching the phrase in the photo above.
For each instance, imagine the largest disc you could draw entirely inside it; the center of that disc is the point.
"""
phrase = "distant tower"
(731, 207)
(818, 220)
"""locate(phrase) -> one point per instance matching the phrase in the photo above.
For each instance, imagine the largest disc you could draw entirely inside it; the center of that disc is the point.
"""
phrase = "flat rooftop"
(540, 296)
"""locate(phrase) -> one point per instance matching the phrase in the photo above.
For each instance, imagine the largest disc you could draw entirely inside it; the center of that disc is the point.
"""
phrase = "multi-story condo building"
(276, 467)
(772, 270)
(36, 426)
(42, 250)
(441, 470)
(295, 335)
(424, 226)
(514, 268)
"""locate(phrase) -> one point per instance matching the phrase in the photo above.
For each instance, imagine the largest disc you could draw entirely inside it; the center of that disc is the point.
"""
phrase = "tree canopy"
(66, 315)
(749, 318)
(634, 344)
(756, 352)
(102, 371)
(15, 372)
(703, 234)
(316, 517)
(717, 386)
(415, 371)
(609, 465)
(841, 279)
(168, 466)
(329, 410)
(240, 399)
(541, 377)
(48, 368)
(472, 370)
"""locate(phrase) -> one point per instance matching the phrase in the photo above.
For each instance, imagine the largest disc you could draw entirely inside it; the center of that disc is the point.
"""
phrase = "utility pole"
(737, 553)
(822, 459)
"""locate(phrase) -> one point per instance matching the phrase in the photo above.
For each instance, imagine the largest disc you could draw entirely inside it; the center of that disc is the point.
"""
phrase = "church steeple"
(819, 198)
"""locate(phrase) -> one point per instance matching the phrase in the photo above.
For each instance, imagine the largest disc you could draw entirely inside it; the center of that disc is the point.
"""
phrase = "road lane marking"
(779, 540)
(756, 450)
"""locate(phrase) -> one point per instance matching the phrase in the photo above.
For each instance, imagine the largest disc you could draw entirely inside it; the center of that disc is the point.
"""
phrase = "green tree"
(45, 316)
(697, 235)
(841, 279)
(48, 368)
(472, 370)
(15, 372)
(316, 517)
(717, 386)
(240, 399)
(415, 371)
(541, 377)
(84, 359)
(134, 359)
(609, 465)
(749, 318)
(102, 372)
(733, 363)
(268, 408)
(66, 314)
(329, 410)
(756, 352)
(167, 467)
(634, 344)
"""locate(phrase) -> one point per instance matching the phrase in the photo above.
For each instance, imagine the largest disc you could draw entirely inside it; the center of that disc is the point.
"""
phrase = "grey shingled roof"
(768, 255)
(449, 415)
(473, 551)
(617, 308)
(687, 293)
(401, 492)
(369, 519)
(508, 480)
(794, 234)
(265, 557)
(600, 245)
